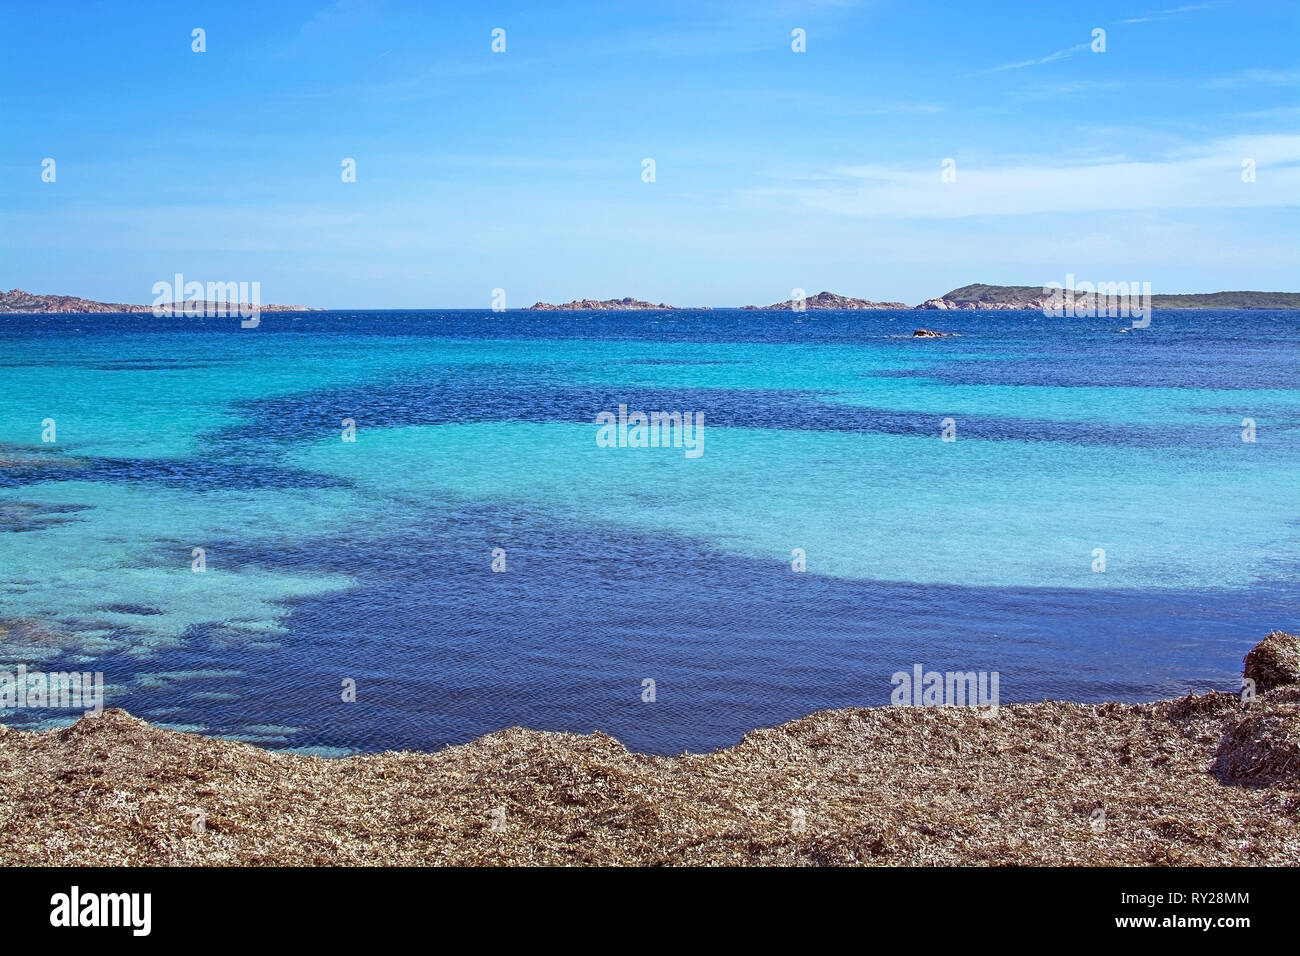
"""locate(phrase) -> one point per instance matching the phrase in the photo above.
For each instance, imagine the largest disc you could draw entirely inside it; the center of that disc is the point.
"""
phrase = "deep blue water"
(370, 561)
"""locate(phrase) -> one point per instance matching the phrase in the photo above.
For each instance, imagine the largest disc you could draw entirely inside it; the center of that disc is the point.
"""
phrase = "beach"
(1201, 780)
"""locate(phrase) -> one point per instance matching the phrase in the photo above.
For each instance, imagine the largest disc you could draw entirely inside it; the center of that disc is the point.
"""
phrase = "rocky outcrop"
(1010, 298)
(1015, 305)
(930, 334)
(828, 301)
(16, 300)
(627, 304)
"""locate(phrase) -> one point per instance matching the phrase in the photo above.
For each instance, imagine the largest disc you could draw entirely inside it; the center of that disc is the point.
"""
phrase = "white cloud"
(1163, 14)
(1079, 47)
(1256, 77)
(1207, 176)
(1058, 55)
(1275, 113)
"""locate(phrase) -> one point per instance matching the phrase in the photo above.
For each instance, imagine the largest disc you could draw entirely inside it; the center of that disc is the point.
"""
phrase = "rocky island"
(1012, 297)
(827, 301)
(31, 303)
(627, 304)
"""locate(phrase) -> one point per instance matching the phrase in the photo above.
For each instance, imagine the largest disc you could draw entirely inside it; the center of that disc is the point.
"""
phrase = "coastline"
(973, 298)
(1200, 780)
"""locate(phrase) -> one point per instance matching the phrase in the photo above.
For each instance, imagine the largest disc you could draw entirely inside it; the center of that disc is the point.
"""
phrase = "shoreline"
(1199, 780)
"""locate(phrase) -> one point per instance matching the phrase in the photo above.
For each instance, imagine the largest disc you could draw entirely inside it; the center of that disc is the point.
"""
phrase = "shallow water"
(371, 560)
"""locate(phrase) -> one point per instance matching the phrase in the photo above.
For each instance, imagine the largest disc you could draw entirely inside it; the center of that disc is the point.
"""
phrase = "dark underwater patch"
(443, 650)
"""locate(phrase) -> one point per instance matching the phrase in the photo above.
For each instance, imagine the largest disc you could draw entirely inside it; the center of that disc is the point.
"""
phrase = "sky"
(1171, 157)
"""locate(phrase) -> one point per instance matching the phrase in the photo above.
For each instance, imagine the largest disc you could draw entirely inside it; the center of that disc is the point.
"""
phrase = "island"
(828, 301)
(627, 304)
(1011, 297)
(30, 303)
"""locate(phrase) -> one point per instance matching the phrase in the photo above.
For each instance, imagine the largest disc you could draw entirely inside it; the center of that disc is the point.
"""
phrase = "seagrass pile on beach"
(1208, 779)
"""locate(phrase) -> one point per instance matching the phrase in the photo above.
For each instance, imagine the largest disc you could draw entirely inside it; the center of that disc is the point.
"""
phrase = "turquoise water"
(329, 560)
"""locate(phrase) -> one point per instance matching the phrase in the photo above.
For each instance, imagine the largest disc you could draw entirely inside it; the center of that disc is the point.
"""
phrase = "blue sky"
(522, 170)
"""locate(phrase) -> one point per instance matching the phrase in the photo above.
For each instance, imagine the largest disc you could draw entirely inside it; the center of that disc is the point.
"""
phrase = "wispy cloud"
(1165, 14)
(1276, 113)
(1036, 61)
(1255, 77)
(1079, 47)
(1204, 176)
(340, 15)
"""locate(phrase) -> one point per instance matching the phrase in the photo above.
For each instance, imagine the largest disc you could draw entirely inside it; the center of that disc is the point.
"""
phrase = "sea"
(344, 532)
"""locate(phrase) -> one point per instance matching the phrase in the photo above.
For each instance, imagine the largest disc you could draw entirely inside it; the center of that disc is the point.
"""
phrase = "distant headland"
(1003, 297)
(16, 300)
